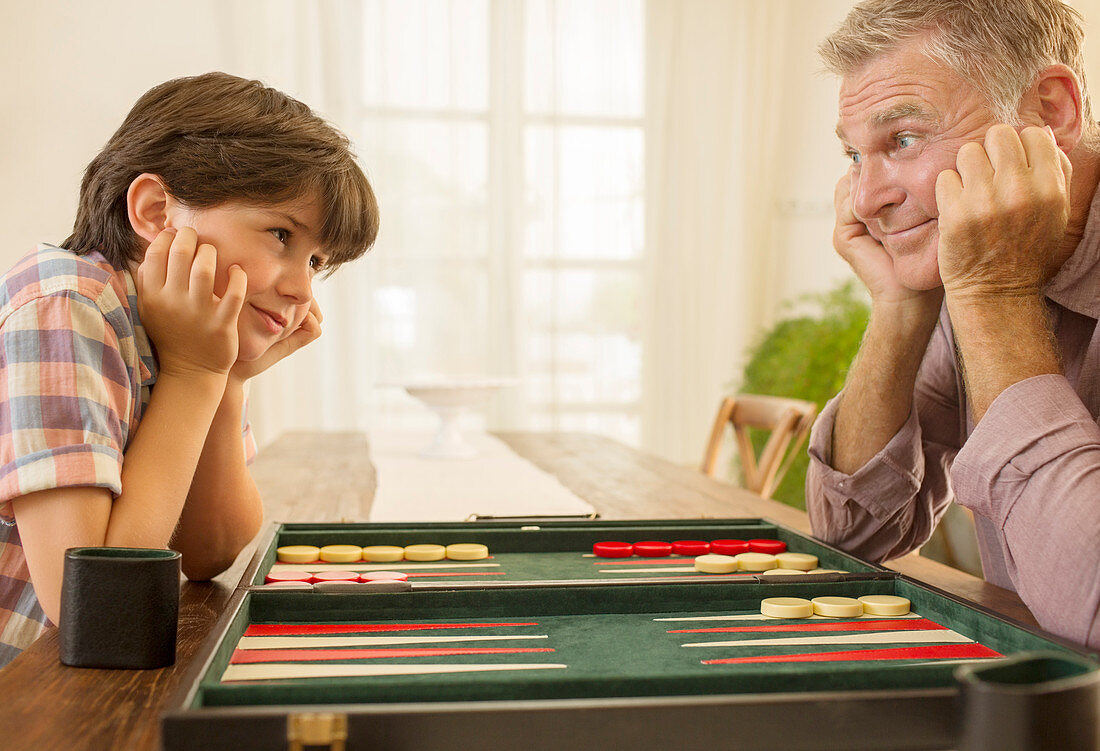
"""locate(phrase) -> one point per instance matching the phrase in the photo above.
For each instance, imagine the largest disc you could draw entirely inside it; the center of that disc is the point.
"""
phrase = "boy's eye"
(280, 234)
(316, 263)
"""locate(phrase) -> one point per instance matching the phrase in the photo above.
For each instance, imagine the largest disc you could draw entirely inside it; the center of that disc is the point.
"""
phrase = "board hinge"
(305, 729)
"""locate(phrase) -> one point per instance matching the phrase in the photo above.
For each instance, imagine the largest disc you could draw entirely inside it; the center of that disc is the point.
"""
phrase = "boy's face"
(277, 248)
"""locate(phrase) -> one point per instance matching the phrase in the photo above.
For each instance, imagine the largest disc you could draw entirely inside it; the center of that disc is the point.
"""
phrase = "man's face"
(903, 119)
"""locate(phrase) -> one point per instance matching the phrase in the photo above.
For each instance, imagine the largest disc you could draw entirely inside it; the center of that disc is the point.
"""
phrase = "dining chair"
(789, 422)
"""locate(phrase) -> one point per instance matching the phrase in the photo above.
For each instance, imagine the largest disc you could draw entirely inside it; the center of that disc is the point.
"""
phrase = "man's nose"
(874, 188)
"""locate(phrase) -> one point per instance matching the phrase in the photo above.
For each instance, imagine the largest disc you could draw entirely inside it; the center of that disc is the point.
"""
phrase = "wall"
(69, 72)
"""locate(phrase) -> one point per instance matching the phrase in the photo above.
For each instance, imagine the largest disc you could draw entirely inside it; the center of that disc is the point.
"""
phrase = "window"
(507, 142)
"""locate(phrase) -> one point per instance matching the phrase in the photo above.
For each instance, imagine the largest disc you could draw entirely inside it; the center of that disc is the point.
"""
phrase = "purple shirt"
(1030, 471)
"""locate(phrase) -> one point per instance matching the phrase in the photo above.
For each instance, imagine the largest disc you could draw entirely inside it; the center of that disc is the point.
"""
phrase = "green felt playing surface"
(540, 552)
(609, 639)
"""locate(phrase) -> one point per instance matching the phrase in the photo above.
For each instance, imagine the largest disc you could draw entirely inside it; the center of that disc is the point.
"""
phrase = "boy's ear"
(149, 206)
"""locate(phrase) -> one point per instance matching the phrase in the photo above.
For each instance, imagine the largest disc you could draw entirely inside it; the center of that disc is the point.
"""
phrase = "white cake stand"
(450, 399)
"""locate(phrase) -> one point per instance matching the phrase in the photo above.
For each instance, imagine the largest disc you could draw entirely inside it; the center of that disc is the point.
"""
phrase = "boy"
(200, 227)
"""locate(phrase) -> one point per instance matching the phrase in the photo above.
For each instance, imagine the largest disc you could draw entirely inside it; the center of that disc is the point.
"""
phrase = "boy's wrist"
(208, 385)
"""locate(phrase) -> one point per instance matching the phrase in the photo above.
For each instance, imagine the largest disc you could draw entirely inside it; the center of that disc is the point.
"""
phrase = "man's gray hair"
(998, 46)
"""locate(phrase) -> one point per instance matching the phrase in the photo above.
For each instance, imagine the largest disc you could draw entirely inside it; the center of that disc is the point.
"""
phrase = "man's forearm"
(878, 394)
(1002, 340)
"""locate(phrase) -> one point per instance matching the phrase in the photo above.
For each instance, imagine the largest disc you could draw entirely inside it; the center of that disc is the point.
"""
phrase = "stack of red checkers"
(336, 576)
(690, 547)
(613, 549)
(383, 576)
(729, 547)
(657, 549)
(652, 549)
(288, 576)
(772, 547)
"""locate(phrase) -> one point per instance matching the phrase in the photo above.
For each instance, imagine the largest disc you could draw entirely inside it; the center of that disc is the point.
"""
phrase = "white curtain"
(586, 195)
(715, 94)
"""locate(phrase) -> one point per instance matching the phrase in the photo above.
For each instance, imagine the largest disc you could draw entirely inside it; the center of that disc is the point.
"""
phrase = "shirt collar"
(1077, 284)
(148, 361)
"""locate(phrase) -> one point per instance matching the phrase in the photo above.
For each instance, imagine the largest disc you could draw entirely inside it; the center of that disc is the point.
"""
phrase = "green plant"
(806, 356)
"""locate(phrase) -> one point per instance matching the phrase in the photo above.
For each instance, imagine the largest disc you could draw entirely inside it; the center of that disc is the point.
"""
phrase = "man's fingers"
(949, 187)
(1047, 161)
(1005, 149)
(973, 165)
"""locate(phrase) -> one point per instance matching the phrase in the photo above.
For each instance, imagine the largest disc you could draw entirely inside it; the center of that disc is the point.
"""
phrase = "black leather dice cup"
(1033, 701)
(119, 607)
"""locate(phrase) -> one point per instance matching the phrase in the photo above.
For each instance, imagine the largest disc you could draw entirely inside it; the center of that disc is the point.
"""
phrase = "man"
(968, 212)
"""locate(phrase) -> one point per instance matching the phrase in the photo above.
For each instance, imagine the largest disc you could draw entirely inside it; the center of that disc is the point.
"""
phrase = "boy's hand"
(307, 331)
(195, 331)
(1003, 213)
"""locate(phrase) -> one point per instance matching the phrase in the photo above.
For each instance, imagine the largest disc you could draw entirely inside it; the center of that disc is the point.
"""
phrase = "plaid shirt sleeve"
(65, 397)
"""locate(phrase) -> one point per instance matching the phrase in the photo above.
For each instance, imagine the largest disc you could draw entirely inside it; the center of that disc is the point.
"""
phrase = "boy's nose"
(296, 282)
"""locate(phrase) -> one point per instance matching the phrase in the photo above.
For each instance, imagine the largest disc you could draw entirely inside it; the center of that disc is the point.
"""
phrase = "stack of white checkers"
(463, 551)
(763, 563)
(834, 607)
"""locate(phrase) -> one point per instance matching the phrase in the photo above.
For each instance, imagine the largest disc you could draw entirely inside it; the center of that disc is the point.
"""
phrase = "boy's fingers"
(230, 305)
(154, 264)
(315, 309)
(180, 257)
(203, 271)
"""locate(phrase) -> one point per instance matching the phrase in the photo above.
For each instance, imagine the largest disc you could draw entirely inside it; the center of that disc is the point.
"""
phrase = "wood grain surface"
(328, 477)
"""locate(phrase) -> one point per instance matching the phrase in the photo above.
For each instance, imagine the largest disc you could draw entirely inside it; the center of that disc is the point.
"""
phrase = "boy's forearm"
(161, 458)
(223, 510)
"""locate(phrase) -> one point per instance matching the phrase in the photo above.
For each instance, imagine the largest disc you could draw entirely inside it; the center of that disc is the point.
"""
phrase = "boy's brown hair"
(217, 138)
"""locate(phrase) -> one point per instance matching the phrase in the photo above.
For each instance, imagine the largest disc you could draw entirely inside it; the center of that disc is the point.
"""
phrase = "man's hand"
(195, 331)
(866, 255)
(1003, 214)
(309, 330)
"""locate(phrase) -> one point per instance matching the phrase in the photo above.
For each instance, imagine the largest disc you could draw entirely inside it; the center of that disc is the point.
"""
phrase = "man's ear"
(149, 206)
(1055, 100)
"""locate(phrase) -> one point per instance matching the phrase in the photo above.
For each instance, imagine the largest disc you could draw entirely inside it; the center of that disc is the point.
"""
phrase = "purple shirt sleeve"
(891, 505)
(1032, 467)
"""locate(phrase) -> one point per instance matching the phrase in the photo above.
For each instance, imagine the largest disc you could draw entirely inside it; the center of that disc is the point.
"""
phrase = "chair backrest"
(789, 421)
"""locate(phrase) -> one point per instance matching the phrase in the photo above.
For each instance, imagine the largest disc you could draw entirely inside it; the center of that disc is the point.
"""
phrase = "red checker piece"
(288, 576)
(383, 576)
(336, 576)
(690, 547)
(729, 547)
(767, 546)
(613, 549)
(290, 585)
(652, 549)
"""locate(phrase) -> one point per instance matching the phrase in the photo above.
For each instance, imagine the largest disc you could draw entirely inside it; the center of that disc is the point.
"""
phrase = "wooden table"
(329, 477)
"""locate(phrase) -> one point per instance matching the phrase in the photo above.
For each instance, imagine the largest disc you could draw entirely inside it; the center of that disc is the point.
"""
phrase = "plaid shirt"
(76, 371)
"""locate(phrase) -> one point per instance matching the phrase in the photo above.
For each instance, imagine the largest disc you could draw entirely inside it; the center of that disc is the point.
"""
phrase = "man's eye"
(904, 141)
(852, 155)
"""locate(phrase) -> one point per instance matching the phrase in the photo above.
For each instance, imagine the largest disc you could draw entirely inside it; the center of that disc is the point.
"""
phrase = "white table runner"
(496, 482)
